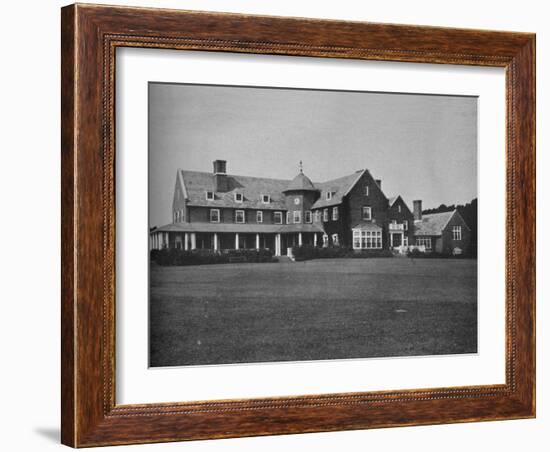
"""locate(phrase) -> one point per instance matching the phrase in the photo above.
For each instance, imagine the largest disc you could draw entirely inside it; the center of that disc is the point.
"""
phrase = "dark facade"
(220, 211)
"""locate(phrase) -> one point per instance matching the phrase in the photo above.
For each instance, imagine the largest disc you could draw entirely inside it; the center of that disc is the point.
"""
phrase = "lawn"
(321, 309)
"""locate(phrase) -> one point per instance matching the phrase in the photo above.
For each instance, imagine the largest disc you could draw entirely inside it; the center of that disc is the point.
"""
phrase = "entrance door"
(397, 240)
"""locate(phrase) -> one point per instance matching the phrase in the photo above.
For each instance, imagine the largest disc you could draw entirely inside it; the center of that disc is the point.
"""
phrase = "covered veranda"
(221, 236)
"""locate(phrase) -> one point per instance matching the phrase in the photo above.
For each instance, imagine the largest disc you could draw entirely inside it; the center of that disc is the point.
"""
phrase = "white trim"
(363, 212)
(268, 199)
(210, 198)
(259, 216)
(297, 214)
(210, 215)
(238, 194)
(335, 213)
(310, 216)
(275, 217)
(237, 214)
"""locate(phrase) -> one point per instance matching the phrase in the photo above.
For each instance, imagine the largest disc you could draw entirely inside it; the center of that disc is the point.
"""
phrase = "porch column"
(193, 240)
(257, 241)
(299, 239)
(236, 240)
(216, 242)
(186, 241)
(314, 239)
(278, 245)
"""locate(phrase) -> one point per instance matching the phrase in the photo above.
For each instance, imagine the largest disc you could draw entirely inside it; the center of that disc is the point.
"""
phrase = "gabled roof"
(197, 183)
(338, 187)
(434, 223)
(392, 200)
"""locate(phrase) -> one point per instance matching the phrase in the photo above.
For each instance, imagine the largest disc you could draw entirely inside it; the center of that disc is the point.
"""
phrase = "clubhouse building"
(219, 211)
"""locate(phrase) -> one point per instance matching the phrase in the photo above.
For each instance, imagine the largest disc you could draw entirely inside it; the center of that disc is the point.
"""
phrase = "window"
(239, 216)
(325, 214)
(366, 190)
(399, 208)
(325, 240)
(307, 216)
(238, 197)
(259, 216)
(424, 241)
(405, 241)
(329, 195)
(209, 195)
(278, 218)
(266, 199)
(365, 240)
(335, 239)
(297, 201)
(335, 214)
(366, 213)
(457, 232)
(297, 216)
(317, 216)
(288, 218)
(175, 219)
(405, 225)
(214, 215)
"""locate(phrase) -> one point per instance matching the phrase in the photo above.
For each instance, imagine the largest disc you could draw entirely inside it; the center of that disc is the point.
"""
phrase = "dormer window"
(239, 197)
(329, 195)
(266, 199)
(210, 196)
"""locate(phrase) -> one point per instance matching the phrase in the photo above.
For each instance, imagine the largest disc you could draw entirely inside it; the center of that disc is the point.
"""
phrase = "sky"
(420, 146)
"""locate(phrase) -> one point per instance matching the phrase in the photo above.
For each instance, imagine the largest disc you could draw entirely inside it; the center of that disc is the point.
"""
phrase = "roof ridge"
(235, 175)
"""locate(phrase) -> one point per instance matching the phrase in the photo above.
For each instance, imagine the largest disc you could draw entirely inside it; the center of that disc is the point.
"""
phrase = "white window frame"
(329, 195)
(367, 240)
(363, 210)
(325, 240)
(426, 242)
(325, 215)
(335, 213)
(406, 225)
(399, 208)
(210, 215)
(297, 216)
(288, 217)
(308, 217)
(317, 216)
(237, 216)
(209, 198)
(239, 195)
(366, 190)
(259, 216)
(279, 216)
(266, 199)
(457, 232)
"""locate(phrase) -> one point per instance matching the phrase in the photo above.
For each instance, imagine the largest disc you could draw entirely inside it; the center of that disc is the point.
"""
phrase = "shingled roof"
(338, 187)
(197, 183)
(433, 223)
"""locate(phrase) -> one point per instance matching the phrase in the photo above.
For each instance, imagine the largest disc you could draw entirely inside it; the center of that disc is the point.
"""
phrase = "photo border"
(90, 36)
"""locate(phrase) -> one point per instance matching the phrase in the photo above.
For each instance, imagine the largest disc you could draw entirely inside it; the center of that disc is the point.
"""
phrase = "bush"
(308, 252)
(167, 257)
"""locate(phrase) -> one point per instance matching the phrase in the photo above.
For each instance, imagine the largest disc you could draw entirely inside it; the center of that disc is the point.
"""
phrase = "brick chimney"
(417, 210)
(220, 176)
(379, 183)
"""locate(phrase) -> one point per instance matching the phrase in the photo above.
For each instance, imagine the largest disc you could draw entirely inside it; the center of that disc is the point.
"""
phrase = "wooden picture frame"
(90, 35)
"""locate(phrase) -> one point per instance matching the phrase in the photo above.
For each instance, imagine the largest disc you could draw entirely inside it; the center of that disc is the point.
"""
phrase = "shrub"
(180, 257)
(308, 252)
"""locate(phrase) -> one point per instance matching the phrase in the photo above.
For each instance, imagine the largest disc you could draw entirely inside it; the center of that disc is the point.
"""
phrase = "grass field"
(322, 309)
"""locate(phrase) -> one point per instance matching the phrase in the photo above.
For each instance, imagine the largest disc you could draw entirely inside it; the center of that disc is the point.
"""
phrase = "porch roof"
(240, 228)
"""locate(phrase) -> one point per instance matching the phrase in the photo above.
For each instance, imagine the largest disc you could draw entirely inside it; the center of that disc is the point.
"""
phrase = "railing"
(396, 227)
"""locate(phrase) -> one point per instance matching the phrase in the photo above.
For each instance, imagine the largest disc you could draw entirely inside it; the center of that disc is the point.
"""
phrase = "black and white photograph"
(301, 225)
